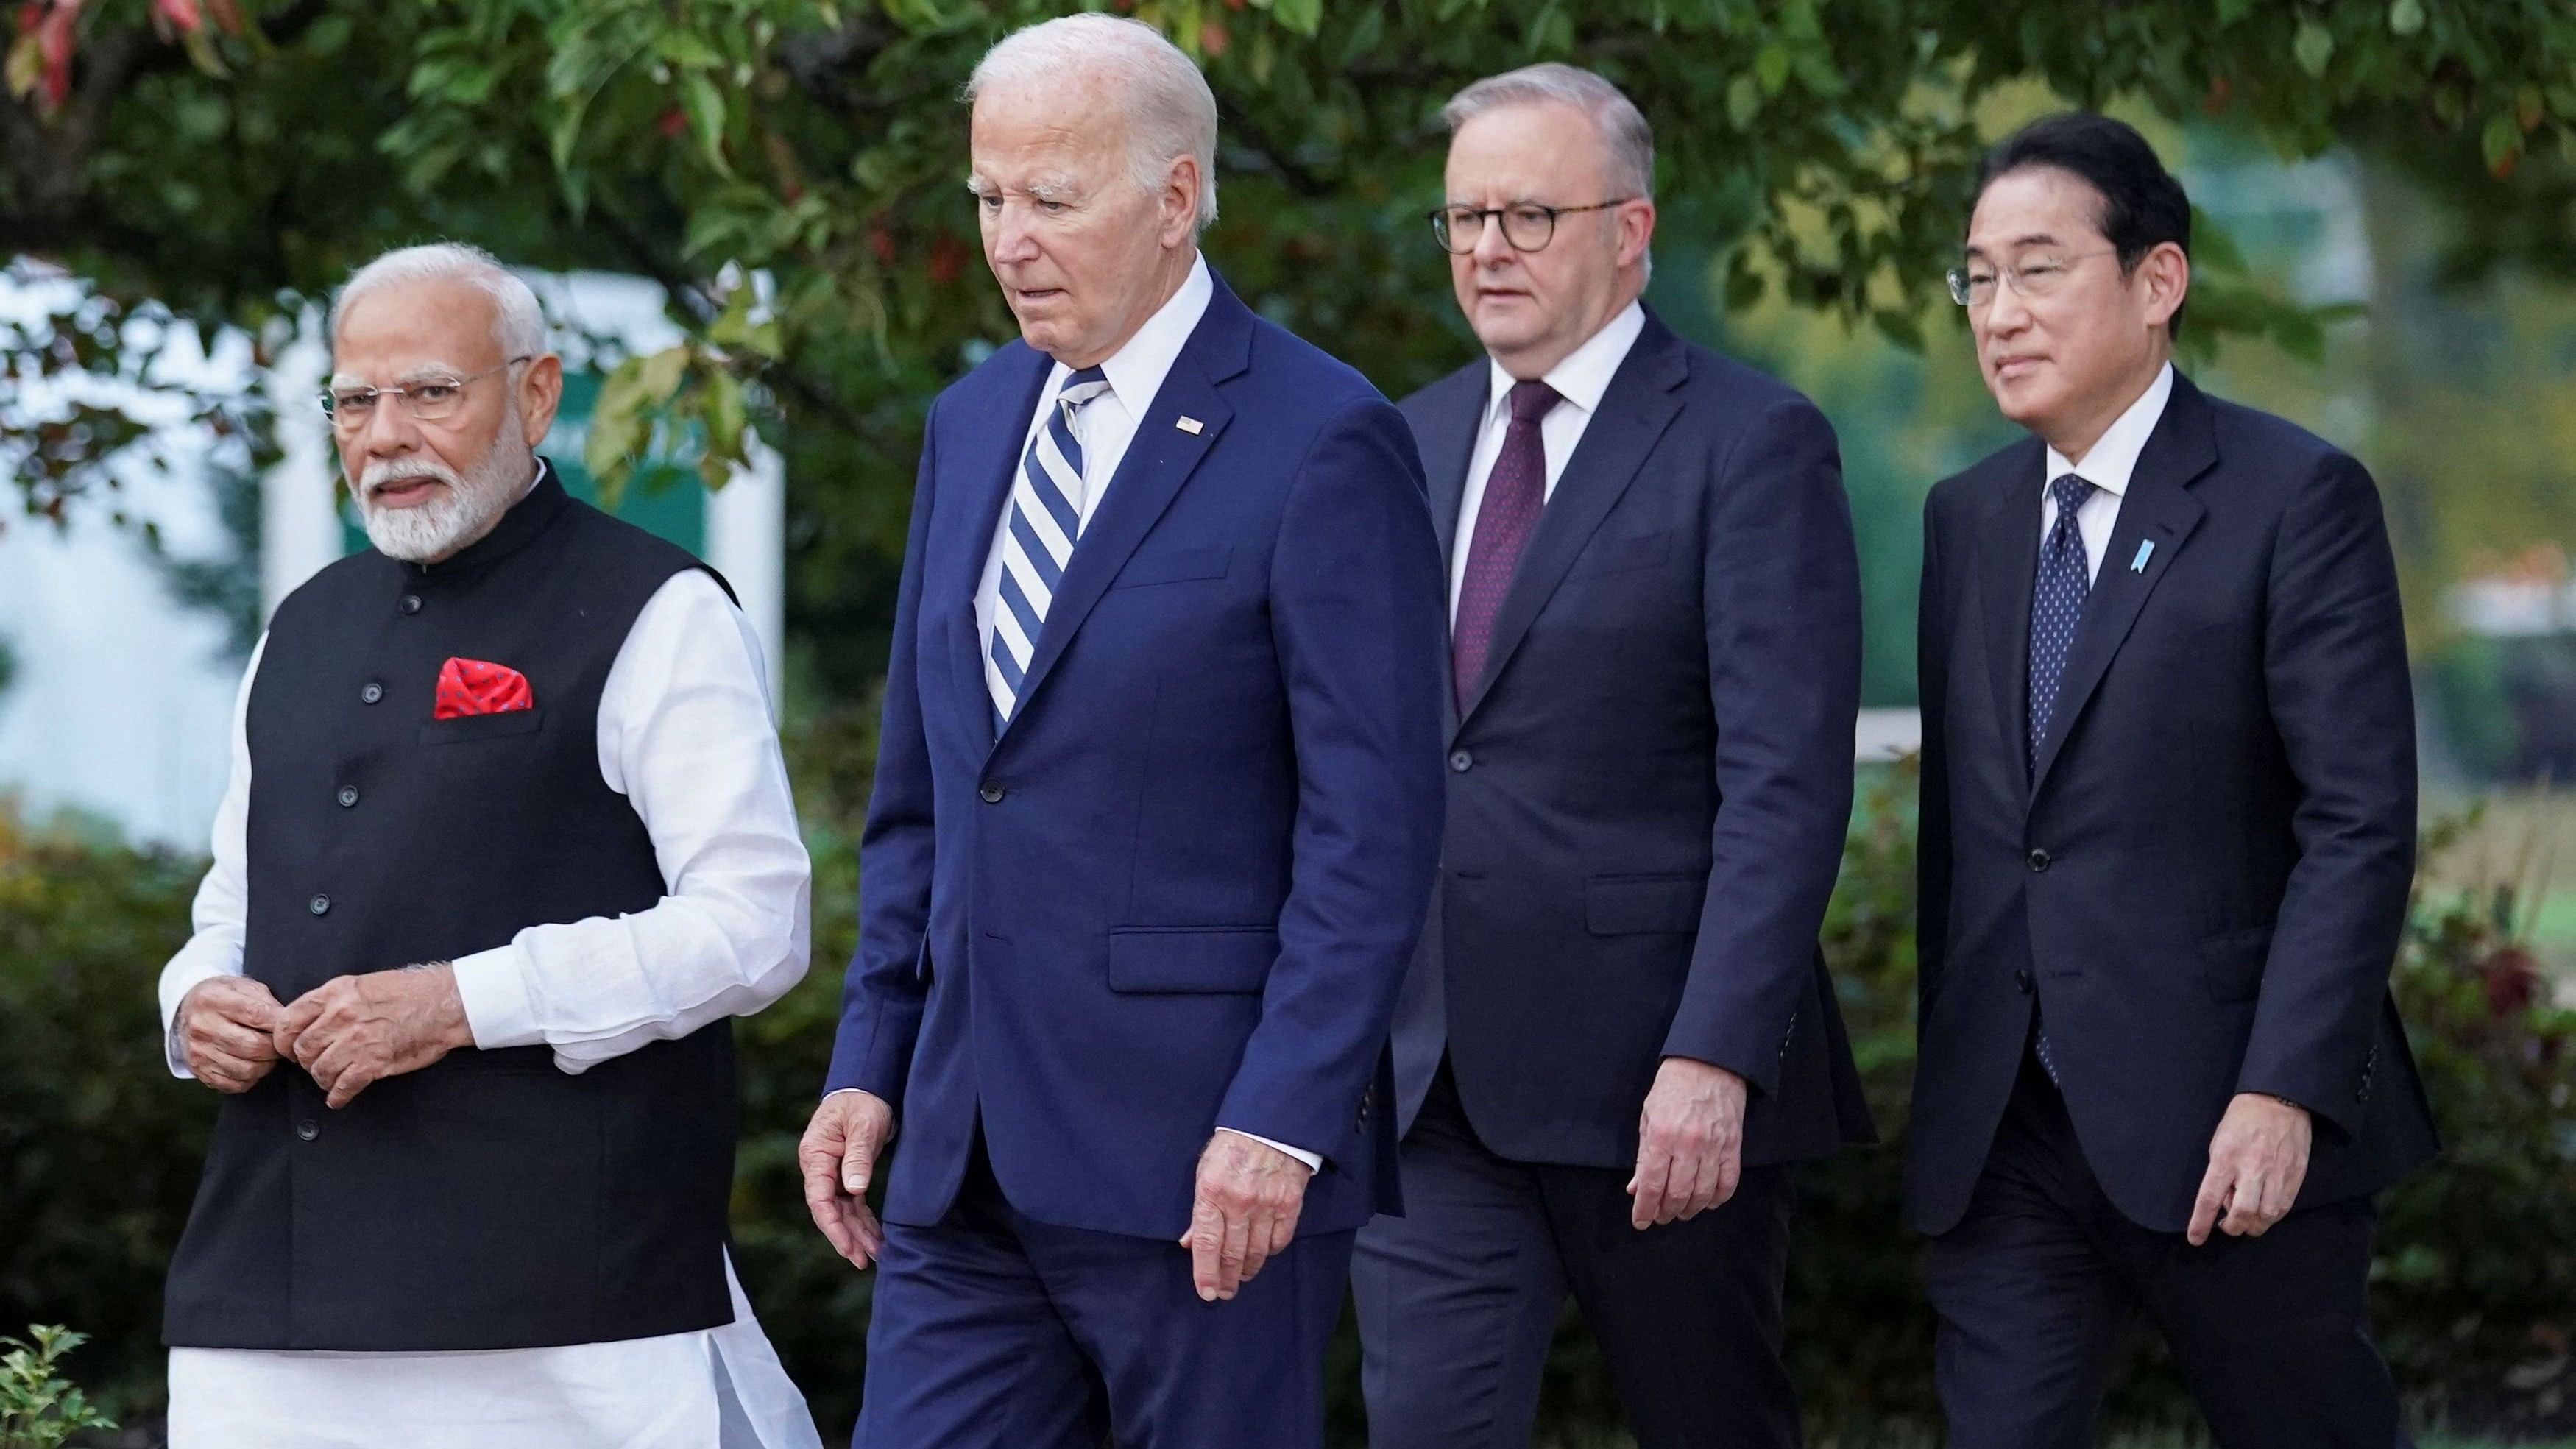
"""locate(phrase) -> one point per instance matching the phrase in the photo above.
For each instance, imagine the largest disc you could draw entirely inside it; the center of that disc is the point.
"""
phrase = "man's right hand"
(222, 1032)
(839, 1157)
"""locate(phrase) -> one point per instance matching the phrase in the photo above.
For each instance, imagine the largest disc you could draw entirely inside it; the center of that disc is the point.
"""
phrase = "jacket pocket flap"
(1175, 565)
(1628, 905)
(482, 726)
(2231, 963)
(1191, 958)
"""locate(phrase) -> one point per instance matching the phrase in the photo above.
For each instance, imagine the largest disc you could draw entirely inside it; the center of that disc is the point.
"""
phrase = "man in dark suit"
(1618, 1033)
(1157, 809)
(2168, 830)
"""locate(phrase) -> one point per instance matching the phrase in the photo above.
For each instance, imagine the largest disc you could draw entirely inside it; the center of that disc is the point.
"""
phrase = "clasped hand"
(348, 1033)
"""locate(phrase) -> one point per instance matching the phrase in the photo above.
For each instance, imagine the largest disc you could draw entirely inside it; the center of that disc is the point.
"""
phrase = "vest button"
(308, 1129)
(992, 793)
(318, 904)
(2022, 982)
(348, 796)
(1462, 762)
(372, 693)
(2038, 861)
(411, 603)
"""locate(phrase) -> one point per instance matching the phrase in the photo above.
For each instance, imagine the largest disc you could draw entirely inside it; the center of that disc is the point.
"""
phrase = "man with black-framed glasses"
(1618, 1034)
(2168, 830)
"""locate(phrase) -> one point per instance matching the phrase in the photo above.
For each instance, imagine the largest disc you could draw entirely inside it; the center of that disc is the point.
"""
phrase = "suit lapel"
(1447, 442)
(2007, 564)
(1636, 409)
(2158, 509)
(1158, 462)
(988, 461)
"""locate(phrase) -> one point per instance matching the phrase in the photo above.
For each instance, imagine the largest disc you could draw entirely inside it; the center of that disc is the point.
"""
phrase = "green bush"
(39, 1408)
(2476, 1278)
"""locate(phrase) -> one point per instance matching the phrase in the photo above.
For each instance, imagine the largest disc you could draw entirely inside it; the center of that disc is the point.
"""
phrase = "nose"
(389, 431)
(1492, 250)
(1007, 235)
(2006, 312)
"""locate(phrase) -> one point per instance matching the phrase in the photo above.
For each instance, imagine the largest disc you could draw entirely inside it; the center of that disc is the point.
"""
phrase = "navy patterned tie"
(2056, 607)
(1037, 539)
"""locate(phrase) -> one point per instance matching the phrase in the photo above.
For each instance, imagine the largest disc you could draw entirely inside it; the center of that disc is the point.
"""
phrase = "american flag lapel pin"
(2146, 547)
(1188, 424)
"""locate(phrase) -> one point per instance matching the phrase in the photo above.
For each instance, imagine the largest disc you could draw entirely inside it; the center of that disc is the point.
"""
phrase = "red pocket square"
(470, 686)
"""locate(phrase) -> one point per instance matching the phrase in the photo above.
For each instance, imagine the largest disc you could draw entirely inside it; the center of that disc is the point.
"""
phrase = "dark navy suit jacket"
(2203, 885)
(1180, 890)
(1649, 789)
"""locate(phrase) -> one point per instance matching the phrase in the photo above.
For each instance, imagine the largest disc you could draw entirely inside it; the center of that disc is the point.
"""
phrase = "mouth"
(1036, 296)
(405, 492)
(1501, 294)
(2015, 368)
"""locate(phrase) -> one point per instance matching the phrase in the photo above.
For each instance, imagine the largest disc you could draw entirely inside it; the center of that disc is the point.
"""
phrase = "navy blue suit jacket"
(1649, 789)
(1179, 891)
(2203, 884)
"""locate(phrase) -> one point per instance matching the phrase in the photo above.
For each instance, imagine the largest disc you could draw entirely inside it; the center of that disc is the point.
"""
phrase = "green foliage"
(39, 1408)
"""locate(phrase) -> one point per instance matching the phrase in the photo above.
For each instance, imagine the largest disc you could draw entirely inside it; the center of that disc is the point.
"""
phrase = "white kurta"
(685, 733)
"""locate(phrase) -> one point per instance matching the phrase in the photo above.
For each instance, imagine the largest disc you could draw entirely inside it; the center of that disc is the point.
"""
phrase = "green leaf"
(2314, 47)
(1304, 17)
(2501, 143)
(1771, 67)
(705, 106)
(2231, 11)
(1743, 101)
(721, 405)
(622, 418)
(2405, 17)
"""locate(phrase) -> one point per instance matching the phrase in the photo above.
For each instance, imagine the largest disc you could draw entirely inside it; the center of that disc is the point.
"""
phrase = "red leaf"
(947, 259)
(54, 43)
(181, 13)
(1212, 38)
(227, 15)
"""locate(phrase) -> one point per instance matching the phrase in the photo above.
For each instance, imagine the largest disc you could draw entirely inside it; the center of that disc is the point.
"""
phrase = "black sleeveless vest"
(489, 1201)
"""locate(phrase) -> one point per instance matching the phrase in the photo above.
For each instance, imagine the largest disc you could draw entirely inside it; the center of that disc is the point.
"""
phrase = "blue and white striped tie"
(1045, 520)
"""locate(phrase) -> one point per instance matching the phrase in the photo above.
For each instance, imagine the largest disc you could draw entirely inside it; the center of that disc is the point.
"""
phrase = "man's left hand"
(1248, 1198)
(2257, 1160)
(352, 1031)
(1690, 1143)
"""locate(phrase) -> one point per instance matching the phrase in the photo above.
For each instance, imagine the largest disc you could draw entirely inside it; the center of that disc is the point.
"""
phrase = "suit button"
(318, 904)
(2038, 861)
(2021, 980)
(411, 603)
(348, 796)
(372, 693)
(1462, 762)
(992, 793)
(308, 1129)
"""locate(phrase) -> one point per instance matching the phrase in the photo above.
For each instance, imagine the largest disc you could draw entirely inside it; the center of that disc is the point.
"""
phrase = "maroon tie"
(1504, 522)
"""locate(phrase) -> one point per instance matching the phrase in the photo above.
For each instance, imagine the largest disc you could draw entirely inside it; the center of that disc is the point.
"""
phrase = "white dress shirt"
(2107, 466)
(1106, 425)
(1580, 379)
(685, 733)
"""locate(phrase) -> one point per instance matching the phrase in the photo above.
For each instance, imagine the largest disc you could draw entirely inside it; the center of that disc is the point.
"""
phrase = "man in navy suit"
(2168, 830)
(1618, 1034)
(1157, 809)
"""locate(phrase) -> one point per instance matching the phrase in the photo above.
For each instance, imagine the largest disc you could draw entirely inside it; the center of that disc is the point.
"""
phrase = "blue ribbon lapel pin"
(2146, 548)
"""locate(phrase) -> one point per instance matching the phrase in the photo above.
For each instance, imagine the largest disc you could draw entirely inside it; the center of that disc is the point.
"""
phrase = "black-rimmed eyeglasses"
(1527, 225)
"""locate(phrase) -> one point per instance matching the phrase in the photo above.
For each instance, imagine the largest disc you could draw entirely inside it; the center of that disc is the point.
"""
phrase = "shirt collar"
(1585, 373)
(2110, 462)
(1136, 371)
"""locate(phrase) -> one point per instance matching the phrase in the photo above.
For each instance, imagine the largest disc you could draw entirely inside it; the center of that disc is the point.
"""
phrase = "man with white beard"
(508, 845)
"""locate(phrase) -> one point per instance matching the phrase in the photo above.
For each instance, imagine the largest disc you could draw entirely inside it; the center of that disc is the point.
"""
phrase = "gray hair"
(1624, 132)
(1171, 113)
(518, 323)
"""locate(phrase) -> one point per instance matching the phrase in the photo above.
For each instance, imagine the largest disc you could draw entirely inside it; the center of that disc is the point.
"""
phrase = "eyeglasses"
(1527, 225)
(430, 400)
(1973, 286)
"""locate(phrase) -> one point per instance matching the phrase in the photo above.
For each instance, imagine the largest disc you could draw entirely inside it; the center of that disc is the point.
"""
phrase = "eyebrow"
(2034, 239)
(425, 372)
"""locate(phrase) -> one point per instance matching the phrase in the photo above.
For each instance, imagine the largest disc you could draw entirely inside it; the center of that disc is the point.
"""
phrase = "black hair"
(2143, 206)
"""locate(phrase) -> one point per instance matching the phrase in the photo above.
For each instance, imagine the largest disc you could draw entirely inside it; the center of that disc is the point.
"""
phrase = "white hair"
(1170, 111)
(518, 323)
(1625, 135)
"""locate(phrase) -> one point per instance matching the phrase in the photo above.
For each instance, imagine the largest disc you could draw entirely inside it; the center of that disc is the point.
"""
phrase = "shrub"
(39, 1408)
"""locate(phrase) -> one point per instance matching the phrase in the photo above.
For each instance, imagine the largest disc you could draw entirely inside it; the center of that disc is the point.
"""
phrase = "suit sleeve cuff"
(493, 987)
(1313, 1162)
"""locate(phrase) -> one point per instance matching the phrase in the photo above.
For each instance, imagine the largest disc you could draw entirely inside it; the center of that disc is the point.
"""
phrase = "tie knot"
(1081, 387)
(1531, 400)
(2070, 490)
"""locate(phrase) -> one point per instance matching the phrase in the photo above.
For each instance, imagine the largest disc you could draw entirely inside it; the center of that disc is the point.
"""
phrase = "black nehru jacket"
(489, 1201)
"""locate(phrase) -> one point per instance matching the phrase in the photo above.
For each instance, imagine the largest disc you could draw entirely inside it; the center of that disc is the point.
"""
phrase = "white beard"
(467, 509)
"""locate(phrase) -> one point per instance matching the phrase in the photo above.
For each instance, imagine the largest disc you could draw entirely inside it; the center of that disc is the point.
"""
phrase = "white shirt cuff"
(1314, 1163)
(181, 977)
(493, 987)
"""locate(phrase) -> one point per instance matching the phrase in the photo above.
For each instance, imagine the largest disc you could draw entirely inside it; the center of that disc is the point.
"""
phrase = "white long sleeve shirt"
(686, 735)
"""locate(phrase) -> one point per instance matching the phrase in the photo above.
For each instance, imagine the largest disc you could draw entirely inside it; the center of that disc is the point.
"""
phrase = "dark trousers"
(1458, 1299)
(995, 1331)
(2042, 1281)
